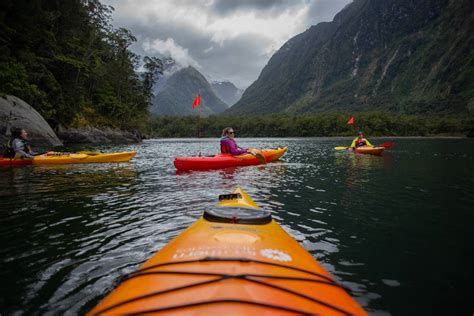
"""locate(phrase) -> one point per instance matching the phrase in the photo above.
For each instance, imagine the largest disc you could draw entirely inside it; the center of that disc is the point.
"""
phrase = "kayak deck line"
(227, 259)
(223, 277)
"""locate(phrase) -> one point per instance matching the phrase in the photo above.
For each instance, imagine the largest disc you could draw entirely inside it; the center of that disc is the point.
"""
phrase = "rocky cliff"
(14, 112)
(227, 91)
(403, 56)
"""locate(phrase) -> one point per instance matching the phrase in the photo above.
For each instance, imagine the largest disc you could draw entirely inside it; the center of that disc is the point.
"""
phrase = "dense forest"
(326, 124)
(66, 60)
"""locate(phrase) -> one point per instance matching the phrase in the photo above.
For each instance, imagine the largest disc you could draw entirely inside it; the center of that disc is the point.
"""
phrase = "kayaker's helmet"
(361, 134)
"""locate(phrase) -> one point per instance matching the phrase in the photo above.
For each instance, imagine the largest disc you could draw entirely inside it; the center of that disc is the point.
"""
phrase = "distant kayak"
(58, 158)
(369, 150)
(363, 150)
(226, 160)
(235, 260)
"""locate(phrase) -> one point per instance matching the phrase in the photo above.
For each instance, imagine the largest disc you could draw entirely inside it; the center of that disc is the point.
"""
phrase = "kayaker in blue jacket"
(228, 144)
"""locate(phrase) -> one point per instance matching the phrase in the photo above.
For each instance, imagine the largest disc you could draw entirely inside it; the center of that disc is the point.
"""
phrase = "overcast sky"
(224, 39)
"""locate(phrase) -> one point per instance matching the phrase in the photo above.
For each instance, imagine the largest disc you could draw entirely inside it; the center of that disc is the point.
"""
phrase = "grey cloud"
(225, 6)
(324, 10)
(238, 59)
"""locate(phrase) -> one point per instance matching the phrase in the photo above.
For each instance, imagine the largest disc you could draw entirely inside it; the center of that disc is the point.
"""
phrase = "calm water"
(396, 229)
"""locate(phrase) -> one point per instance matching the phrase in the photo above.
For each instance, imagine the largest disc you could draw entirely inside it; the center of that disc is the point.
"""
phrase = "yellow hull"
(59, 159)
(54, 158)
(111, 157)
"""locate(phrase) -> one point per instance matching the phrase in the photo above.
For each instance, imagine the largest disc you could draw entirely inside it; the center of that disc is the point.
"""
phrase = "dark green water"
(395, 229)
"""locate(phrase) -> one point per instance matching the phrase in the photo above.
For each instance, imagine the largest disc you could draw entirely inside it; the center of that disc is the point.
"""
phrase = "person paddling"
(229, 146)
(360, 141)
(18, 145)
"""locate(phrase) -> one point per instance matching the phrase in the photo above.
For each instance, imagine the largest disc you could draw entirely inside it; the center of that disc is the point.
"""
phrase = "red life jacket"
(360, 142)
(224, 149)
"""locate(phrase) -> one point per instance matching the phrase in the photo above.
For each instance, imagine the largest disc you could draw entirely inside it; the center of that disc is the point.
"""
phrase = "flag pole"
(199, 124)
(197, 103)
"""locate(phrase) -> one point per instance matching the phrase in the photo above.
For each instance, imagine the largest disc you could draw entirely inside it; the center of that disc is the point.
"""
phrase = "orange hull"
(224, 268)
(369, 150)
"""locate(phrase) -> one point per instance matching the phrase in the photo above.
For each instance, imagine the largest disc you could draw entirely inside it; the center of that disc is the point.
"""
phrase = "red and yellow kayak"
(226, 160)
(57, 158)
(235, 260)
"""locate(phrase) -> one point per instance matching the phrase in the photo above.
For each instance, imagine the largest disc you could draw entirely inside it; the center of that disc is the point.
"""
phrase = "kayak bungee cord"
(222, 277)
(243, 260)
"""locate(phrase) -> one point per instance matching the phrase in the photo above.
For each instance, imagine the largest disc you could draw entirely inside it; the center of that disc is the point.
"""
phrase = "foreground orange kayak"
(235, 260)
(226, 160)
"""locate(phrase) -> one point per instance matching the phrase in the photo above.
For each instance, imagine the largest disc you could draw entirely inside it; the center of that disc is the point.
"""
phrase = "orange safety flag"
(197, 101)
(351, 121)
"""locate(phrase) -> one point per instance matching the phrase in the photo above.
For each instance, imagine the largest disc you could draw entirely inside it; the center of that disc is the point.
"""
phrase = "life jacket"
(8, 151)
(360, 142)
(224, 148)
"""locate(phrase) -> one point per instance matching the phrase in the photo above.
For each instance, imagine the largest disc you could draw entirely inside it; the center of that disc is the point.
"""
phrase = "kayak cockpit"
(238, 215)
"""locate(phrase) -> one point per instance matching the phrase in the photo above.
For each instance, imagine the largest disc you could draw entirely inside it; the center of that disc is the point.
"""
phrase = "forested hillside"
(67, 61)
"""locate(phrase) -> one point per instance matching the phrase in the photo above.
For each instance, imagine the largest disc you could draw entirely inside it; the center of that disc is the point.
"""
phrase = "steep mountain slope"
(227, 91)
(176, 95)
(398, 55)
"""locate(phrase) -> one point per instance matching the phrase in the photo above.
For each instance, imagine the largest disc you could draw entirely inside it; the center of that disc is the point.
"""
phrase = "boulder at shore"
(92, 135)
(15, 112)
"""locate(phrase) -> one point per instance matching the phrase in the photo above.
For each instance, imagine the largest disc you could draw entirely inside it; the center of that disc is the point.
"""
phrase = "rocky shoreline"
(93, 135)
(15, 112)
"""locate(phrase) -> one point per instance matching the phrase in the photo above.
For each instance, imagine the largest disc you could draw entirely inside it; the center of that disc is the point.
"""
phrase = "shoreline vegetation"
(314, 125)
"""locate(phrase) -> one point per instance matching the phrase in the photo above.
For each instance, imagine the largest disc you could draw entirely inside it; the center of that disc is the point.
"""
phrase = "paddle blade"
(257, 154)
(387, 145)
(260, 158)
(341, 148)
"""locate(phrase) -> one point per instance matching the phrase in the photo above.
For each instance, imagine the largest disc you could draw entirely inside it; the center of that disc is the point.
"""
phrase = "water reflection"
(69, 233)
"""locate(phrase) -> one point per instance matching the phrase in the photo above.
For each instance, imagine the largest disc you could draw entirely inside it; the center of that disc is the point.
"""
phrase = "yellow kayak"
(93, 157)
(235, 260)
(58, 159)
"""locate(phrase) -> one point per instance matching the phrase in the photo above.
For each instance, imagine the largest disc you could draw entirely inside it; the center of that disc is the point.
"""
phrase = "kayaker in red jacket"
(228, 144)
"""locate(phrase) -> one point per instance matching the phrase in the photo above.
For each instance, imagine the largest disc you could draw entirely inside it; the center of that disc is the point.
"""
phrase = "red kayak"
(226, 160)
(9, 162)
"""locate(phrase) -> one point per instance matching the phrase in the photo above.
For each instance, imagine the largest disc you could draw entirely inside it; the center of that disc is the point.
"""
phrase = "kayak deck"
(226, 160)
(222, 265)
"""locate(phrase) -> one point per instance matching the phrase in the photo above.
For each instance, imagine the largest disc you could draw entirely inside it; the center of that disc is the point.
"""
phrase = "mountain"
(227, 91)
(177, 92)
(402, 56)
